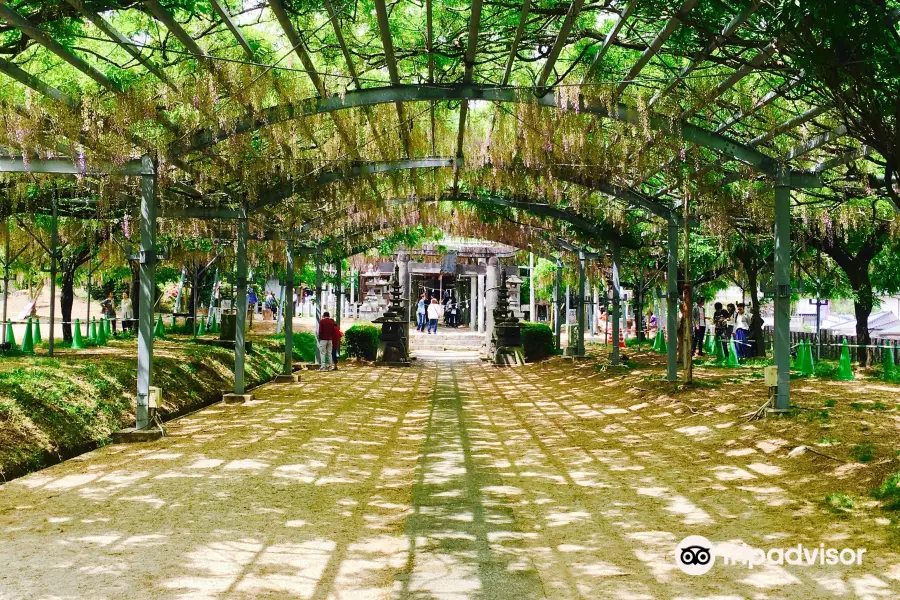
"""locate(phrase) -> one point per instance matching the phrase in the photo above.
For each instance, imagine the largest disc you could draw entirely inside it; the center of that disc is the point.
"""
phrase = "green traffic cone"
(160, 329)
(709, 346)
(663, 347)
(173, 324)
(107, 326)
(93, 336)
(37, 332)
(655, 346)
(720, 353)
(890, 369)
(808, 365)
(202, 330)
(28, 340)
(77, 341)
(101, 334)
(845, 369)
(732, 355)
(11, 336)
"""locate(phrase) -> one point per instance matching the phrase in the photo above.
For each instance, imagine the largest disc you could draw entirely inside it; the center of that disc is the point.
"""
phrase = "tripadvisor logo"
(696, 555)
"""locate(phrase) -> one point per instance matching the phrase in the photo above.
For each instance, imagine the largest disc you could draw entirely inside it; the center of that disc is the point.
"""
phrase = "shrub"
(862, 452)
(304, 344)
(889, 491)
(362, 341)
(839, 503)
(537, 340)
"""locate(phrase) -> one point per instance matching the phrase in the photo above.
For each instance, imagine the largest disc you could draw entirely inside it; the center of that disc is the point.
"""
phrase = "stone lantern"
(393, 345)
(506, 337)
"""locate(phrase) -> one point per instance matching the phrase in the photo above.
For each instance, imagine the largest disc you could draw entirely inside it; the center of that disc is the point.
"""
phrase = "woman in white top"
(741, 331)
(434, 313)
(127, 312)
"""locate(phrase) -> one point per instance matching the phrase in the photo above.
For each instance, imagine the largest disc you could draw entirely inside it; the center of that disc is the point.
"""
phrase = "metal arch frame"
(285, 190)
(580, 223)
(334, 244)
(719, 143)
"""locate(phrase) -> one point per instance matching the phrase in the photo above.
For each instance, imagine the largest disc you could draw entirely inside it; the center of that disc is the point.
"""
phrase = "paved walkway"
(449, 480)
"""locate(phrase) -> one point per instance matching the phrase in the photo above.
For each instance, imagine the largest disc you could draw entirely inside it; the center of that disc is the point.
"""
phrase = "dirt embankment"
(54, 408)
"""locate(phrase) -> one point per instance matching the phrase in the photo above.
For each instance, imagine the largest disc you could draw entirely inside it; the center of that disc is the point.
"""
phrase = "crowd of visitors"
(728, 321)
(429, 311)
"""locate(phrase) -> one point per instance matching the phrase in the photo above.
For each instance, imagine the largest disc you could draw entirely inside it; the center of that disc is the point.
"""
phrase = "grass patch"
(830, 402)
(862, 452)
(828, 441)
(59, 406)
(816, 416)
(840, 503)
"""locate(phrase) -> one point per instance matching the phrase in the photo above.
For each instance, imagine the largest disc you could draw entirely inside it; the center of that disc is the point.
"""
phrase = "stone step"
(439, 348)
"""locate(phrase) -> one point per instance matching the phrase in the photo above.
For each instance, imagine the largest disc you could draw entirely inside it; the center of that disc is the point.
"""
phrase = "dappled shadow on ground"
(444, 481)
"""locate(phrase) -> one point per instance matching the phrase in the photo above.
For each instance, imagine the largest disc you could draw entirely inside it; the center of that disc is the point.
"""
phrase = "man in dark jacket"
(327, 334)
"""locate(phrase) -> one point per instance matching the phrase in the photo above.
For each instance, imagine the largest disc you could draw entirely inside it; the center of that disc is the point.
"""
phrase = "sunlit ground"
(449, 480)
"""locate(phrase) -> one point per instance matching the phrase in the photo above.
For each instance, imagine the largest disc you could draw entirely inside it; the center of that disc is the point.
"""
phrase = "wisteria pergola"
(311, 121)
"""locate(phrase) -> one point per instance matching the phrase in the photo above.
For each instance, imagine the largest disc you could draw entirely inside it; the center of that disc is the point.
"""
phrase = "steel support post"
(532, 295)
(146, 292)
(579, 346)
(338, 294)
(240, 302)
(54, 243)
(616, 304)
(318, 308)
(557, 302)
(783, 290)
(672, 304)
(6, 260)
(287, 309)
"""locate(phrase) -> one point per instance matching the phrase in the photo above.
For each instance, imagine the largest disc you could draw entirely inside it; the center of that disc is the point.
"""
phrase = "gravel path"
(448, 480)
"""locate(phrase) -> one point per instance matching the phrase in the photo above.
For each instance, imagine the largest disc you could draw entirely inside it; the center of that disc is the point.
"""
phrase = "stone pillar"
(403, 265)
(481, 304)
(473, 302)
(492, 282)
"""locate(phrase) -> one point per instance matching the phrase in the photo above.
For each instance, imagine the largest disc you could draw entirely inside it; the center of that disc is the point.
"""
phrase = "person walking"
(434, 313)
(127, 312)
(742, 332)
(109, 309)
(252, 301)
(327, 334)
(271, 304)
(720, 324)
(336, 346)
(698, 316)
(420, 313)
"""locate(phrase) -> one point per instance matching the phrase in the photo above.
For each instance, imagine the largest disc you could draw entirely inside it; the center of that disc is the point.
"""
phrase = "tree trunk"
(863, 301)
(756, 320)
(67, 291)
(66, 299)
